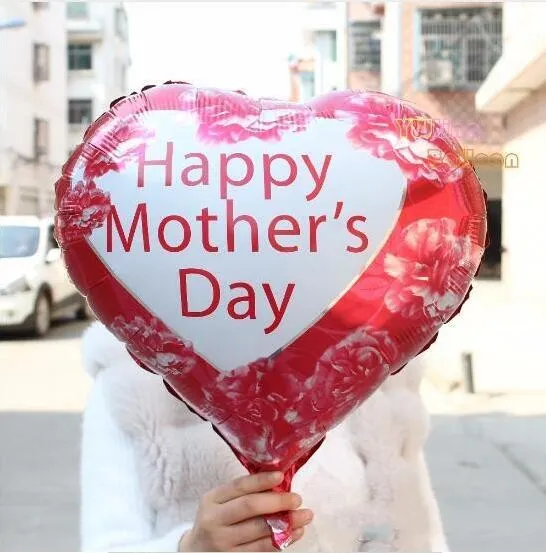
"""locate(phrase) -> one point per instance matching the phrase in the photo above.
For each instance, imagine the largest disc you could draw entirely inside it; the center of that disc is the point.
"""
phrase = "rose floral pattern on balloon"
(230, 117)
(376, 127)
(430, 268)
(356, 322)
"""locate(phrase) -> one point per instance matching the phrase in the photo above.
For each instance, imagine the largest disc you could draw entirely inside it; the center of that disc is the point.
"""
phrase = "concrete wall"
(457, 106)
(525, 196)
(504, 323)
(391, 49)
(28, 184)
(518, 16)
(103, 83)
(362, 80)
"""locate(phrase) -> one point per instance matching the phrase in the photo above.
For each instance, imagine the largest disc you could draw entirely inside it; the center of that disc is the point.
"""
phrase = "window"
(121, 23)
(18, 241)
(365, 46)
(459, 46)
(326, 44)
(491, 261)
(121, 71)
(41, 63)
(77, 10)
(41, 138)
(80, 56)
(307, 85)
(80, 112)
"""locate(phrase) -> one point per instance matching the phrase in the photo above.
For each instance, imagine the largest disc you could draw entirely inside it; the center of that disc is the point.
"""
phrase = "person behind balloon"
(155, 477)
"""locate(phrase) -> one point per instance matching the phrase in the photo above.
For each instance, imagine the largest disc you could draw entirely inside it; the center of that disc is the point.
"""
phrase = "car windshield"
(18, 241)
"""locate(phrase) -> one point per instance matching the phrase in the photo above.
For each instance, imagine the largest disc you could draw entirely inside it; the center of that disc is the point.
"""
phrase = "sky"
(233, 45)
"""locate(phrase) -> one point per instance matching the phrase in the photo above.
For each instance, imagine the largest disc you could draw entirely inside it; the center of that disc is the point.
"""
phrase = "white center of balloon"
(334, 205)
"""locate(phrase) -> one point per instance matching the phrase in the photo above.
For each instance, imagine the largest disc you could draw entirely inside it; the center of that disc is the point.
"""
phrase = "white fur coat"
(146, 460)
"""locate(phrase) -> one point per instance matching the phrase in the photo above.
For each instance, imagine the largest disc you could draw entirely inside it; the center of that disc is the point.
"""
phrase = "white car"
(34, 284)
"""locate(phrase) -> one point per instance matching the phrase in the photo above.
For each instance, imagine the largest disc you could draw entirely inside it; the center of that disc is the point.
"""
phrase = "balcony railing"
(458, 47)
(85, 30)
(81, 24)
(365, 46)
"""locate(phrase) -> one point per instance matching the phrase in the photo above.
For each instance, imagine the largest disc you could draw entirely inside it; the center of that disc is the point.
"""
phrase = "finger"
(301, 518)
(245, 485)
(258, 504)
(256, 528)
(265, 544)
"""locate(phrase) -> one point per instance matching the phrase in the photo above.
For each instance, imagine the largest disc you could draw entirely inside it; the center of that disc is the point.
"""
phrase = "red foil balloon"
(273, 262)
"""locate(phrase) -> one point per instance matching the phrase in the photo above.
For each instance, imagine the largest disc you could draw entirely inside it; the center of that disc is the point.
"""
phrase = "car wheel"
(84, 312)
(41, 318)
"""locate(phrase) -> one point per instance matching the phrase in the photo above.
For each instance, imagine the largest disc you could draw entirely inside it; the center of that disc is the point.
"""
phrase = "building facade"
(322, 64)
(445, 59)
(341, 49)
(72, 61)
(438, 55)
(33, 105)
(97, 62)
(433, 54)
(515, 90)
(364, 35)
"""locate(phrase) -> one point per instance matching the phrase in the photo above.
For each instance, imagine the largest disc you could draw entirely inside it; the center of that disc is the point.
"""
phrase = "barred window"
(365, 46)
(80, 112)
(41, 139)
(459, 46)
(80, 56)
(40, 63)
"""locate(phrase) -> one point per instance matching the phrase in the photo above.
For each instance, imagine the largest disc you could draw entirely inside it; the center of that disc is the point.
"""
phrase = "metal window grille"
(41, 62)
(41, 138)
(365, 45)
(80, 56)
(80, 112)
(459, 46)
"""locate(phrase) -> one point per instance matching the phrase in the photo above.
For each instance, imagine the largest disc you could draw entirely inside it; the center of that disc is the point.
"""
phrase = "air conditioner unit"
(437, 74)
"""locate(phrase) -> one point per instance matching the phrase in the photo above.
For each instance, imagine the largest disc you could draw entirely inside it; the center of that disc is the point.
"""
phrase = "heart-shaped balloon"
(273, 262)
